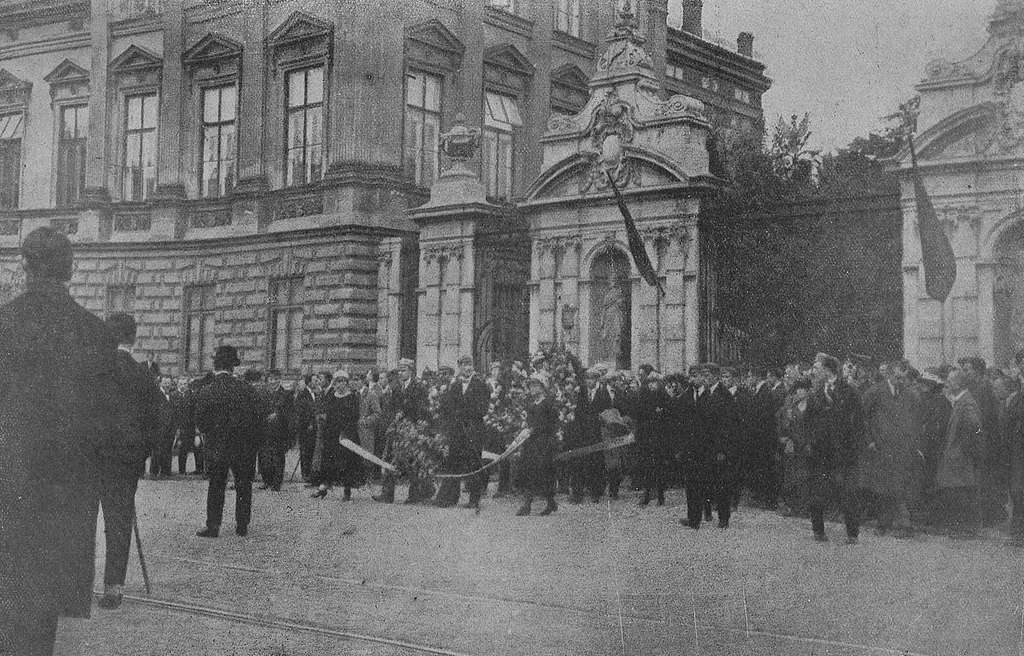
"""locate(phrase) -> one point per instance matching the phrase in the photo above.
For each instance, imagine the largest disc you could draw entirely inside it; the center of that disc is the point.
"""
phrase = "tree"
(806, 248)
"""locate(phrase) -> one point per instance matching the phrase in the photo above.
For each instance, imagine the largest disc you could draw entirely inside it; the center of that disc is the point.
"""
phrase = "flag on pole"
(936, 251)
(636, 245)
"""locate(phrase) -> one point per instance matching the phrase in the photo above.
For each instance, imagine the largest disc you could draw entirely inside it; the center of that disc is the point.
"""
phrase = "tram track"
(284, 624)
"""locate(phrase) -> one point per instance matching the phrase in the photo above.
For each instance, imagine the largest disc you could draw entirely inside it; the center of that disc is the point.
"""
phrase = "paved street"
(326, 577)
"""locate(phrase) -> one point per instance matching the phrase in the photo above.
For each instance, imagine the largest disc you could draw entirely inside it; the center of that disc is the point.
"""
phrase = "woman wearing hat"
(536, 474)
(338, 465)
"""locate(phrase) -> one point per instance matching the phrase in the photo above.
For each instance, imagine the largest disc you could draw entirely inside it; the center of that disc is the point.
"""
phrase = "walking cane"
(138, 546)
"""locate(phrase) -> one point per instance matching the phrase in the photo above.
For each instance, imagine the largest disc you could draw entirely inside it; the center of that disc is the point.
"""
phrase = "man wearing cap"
(410, 403)
(53, 355)
(227, 412)
(588, 475)
(126, 461)
(463, 407)
(278, 402)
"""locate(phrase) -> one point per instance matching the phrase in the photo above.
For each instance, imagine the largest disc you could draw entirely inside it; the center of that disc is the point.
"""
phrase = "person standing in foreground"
(228, 414)
(337, 465)
(125, 462)
(536, 473)
(463, 407)
(53, 355)
(958, 476)
(835, 428)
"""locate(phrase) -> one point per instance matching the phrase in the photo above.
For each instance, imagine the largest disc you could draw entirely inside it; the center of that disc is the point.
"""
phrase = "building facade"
(241, 172)
(970, 143)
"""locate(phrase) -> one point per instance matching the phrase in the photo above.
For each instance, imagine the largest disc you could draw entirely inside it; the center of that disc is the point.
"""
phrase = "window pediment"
(13, 90)
(136, 58)
(300, 26)
(506, 68)
(67, 79)
(433, 44)
(212, 48)
(571, 76)
(506, 56)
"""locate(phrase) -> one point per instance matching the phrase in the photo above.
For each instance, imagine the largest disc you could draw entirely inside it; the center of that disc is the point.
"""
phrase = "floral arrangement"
(507, 411)
(417, 449)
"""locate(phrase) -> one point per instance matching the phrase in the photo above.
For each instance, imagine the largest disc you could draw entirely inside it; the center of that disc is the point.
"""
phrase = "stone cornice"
(509, 22)
(574, 45)
(50, 44)
(40, 12)
(723, 61)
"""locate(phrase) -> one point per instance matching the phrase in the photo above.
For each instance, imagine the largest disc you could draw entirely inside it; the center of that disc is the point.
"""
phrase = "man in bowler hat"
(227, 413)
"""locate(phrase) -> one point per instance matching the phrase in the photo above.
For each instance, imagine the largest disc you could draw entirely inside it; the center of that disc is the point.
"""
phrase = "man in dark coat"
(463, 408)
(187, 441)
(994, 485)
(127, 461)
(60, 414)
(588, 475)
(303, 424)
(168, 425)
(276, 436)
(228, 414)
(411, 403)
(716, 470)
(762, 475)
(835, 429)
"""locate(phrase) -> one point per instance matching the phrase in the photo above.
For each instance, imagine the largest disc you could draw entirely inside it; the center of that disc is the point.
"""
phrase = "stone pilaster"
(97, 172)
(252, 128)
(389, 297)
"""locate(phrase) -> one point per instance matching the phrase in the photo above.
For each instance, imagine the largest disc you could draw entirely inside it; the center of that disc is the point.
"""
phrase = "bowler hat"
(225, 357)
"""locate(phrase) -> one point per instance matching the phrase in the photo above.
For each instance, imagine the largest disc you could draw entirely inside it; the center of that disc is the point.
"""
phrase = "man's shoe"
(722, 524)
(523, 511)
(209, 532)
(851, 539)
(820, 537)
(688, 524)
(645, 499)
(242, 531)
(319, 494)
(383, 498)
(264, 486)
(471, 505)
(110, 600)
(550, 508)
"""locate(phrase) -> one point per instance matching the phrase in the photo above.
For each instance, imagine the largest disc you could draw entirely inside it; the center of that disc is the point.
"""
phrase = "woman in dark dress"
(536, 474)
(339, 419)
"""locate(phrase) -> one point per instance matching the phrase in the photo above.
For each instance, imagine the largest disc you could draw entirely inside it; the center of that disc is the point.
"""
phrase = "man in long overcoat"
(835, 427)
(588, 472)
(715, 469)
(411, 403)
(227, 413)
(958, 476)
(59, 413)
(892, 460)
(125, 462)
(462, 418)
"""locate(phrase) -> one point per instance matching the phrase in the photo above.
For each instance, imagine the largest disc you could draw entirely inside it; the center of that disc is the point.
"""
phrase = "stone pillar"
(986, 311)
(252, 101)
(691, 296)
(911, 345)
(534, 283)
(389, 297)
(656, 33)
(97, 193)
(170, 188)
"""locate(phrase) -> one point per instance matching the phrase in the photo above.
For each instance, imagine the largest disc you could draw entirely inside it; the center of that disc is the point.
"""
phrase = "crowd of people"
(909, 449)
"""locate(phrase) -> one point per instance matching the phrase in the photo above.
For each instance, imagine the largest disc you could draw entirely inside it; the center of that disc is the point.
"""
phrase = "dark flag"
(936, 251)
(636, 245)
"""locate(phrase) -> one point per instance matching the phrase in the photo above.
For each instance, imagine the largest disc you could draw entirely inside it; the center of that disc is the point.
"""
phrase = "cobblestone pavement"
(327, 577)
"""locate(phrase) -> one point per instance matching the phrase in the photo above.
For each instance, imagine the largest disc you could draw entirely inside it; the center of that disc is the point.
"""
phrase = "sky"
(847, 62)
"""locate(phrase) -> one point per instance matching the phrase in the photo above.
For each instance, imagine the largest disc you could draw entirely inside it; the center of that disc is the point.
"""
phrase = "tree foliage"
(807, 247)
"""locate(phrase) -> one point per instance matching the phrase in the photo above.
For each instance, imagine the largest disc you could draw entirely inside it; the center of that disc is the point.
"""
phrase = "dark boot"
(661, 497)
(646, 498)
(387, 492)
(551, 507)
(525, 508)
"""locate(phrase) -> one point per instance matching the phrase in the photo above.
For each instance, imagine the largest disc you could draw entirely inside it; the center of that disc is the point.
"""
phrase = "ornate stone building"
(970, 145)
(242, 172)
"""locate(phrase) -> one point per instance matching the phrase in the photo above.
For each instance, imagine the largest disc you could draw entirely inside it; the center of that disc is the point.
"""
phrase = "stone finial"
(460, 143)
(745, 44)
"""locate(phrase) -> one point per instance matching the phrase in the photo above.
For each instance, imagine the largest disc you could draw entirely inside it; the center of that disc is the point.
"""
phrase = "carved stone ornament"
(559, 244)
(460, 144)
(13, 90)
(445, 252)
(624, 51)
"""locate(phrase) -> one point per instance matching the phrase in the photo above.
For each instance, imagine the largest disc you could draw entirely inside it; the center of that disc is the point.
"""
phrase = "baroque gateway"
(268, 174)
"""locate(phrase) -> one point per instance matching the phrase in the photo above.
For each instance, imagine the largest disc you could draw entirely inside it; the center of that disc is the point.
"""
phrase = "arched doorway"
(611, 309)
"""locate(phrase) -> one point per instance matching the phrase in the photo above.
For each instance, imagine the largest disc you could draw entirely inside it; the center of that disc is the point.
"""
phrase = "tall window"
(71, 140)
(304, 137)
(501, 117)
(286, 324)
(199, 327)
(218, 136)
(567, 16)
(422, 126)
(120, 298)
(140, 120)
(12, 126)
